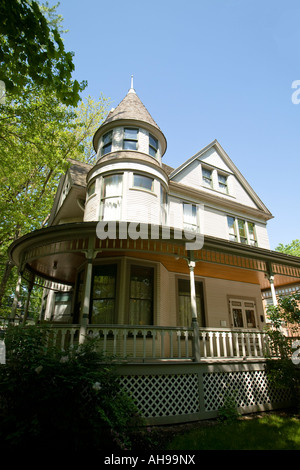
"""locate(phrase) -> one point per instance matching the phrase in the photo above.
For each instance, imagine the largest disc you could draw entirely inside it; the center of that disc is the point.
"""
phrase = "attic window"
(130, 140)
(106, 143)
(223, 185)
(207, 177)
(153, 146)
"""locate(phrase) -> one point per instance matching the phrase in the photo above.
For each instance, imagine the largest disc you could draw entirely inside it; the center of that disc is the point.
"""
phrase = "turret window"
(130, 141)
(143, 182)
(106, 143)
(153, 146)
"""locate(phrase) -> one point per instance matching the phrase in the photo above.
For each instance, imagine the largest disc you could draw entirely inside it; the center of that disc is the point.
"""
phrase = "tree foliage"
(32, 52)
(292, 248)
(69, 400)
(281, 369)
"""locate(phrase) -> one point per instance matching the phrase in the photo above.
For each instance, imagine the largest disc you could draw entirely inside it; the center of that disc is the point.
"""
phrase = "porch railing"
(143, 343)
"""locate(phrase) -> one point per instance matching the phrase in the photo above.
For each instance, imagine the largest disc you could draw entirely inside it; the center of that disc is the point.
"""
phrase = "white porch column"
(273, 293)
(86, 301)
(195, 326)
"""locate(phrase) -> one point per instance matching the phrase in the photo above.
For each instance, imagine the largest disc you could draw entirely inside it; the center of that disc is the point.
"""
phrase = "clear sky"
(205, 70)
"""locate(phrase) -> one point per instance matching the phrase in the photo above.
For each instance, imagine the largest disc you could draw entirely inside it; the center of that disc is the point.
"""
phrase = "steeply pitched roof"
(130, 107)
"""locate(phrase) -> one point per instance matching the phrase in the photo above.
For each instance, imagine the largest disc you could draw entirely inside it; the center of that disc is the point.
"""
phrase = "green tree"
(292, 248)
(38, 136)
(32, 52)
(280, 367)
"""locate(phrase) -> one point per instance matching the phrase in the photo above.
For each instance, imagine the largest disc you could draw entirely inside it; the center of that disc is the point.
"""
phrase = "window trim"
(243, 300)
(152, 147)
(130, 140)
(104, 198)
(155, 287)
(141, 188)
(248, 240)
(102, 151)
(203, 301)
(207, 185)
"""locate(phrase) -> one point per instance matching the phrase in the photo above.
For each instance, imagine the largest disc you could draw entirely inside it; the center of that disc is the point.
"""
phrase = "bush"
(57, 399)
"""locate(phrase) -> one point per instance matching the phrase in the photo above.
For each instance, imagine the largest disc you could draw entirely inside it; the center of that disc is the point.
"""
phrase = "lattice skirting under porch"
(174, 393)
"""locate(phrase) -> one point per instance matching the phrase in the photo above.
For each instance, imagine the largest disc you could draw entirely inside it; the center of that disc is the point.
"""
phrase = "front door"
(243, 313)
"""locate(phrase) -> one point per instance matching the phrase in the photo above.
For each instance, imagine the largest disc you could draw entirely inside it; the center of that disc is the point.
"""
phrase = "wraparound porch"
(156, 343)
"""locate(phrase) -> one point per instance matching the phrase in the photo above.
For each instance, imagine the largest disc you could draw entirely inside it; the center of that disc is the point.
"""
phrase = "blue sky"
(205, 70)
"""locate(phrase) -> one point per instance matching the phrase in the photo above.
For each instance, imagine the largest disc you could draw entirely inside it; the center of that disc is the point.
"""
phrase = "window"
(190, 217)
(106, 143)
(222, 180)
(241, 231)
(91, 189)
(153, 146)
(141, 295)
(184, 302)
(232, 229)
(111, 197)
(207, 177)
(130, 140)
(103, 298)
(243, 313)
(251, 232)
(143, 182)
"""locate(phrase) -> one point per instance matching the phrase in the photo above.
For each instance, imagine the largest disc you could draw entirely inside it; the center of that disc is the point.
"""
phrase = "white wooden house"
(166, 266)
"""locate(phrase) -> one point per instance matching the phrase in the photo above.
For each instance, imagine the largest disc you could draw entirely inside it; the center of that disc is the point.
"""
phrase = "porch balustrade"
(144, 343)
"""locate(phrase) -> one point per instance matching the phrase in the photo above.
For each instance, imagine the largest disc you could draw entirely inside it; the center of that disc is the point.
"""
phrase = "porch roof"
(56, 253)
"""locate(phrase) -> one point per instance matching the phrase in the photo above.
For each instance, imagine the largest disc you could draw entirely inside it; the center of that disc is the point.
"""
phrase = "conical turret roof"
(130, 110)
(130, 107)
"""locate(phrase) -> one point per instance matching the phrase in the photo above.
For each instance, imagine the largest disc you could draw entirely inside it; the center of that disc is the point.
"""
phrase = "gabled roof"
(230, 165)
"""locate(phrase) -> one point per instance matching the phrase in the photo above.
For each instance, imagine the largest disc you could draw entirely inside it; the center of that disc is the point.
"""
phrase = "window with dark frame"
(153, 146)
(103, 294)
(106, 143)
(141, 295)
(184, 303)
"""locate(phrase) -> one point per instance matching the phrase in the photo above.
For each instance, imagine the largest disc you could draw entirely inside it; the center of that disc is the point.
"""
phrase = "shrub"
(57, 399)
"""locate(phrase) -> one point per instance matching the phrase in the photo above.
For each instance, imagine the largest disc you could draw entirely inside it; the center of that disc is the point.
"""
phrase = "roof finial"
(132, 90)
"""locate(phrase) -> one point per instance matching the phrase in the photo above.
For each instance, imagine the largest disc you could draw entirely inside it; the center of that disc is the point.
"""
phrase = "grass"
(270, 432)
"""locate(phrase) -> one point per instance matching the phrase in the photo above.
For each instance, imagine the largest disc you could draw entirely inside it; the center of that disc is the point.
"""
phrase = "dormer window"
(130, 141)
(106, 143)
(207, 177)
(153, 146)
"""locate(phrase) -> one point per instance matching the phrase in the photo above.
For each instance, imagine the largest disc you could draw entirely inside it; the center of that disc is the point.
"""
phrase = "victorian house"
(168, 267)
